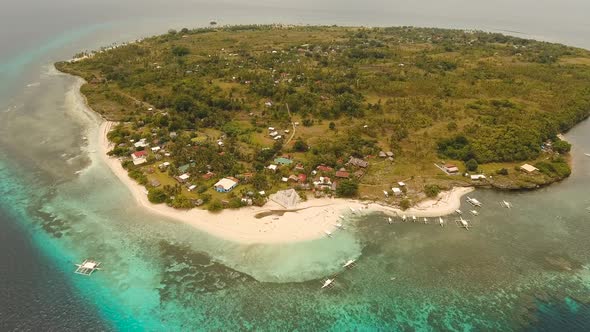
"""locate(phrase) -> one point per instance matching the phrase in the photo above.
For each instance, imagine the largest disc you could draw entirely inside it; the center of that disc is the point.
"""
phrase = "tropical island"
(225, 117)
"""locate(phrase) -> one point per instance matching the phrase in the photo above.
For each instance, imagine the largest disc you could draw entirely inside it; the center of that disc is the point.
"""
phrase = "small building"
(401, 184)
(389, 154)
(299, 167)
(272, 167)
(283, 161)
(154, 183)
(208, 175)
(284, 179)
(192, 187)
(382, 154)
(184, 168)
(225, 185)
(139, 157)
(173, 135)
(342, 173)
(302, 178)
(184, 177)
(293, 178)
(323, 182)
(141, 143)
(278, 137)
(274, 134)
(477, 177)
(358, 162)
(451, 168)
(396, 191)
(156, 149)
(164, 165)
(324, 168)
(529, 168)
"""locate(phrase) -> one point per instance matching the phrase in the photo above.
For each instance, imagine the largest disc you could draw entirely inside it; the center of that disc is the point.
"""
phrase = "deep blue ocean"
(528, 270)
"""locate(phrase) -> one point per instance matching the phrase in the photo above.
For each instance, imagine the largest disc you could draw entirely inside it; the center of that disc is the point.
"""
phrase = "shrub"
(562, 147)
(347, 188)
(431, 190)
(157, 195)
(404, 204)
(502, 171)
(471, 165)
(215, 206)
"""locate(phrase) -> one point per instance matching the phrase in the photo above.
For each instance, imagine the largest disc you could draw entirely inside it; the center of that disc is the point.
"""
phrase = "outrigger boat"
(474, 212)
(425, 221)
(389, 220)
(459, 212)
(413, 218)
(587, 154)
(328, 283)
(441, 222)
(352, 210)
(349, 264)
(404, 218)
(473, 201)
(339, 225)
(87, 267)
(463, 223)
(507, 205)
(328, 233)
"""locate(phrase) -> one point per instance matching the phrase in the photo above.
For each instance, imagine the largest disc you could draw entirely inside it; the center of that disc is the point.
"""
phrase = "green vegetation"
(209, 98)
(157, 196)
(431, 190)
(347, 188)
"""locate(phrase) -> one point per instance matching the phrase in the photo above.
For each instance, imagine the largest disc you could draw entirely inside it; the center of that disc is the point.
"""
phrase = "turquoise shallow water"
(525, 268)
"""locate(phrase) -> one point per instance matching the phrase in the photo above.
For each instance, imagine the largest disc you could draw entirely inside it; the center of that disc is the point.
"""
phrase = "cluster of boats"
(461, 222)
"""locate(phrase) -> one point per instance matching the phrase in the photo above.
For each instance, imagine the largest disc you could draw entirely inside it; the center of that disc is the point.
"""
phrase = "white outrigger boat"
(87, 267)
(463, 223)
(328, 283)
(587, 154)
(339, 225)
(413, 218)
(352, 209)
(350, 263)
(425, 221)
(341, 216)
(441, 221)
(389, 220)
(404, 218)
(473, 201)
(474, 212)
(459, 212)
(328, 233)
(507, 205)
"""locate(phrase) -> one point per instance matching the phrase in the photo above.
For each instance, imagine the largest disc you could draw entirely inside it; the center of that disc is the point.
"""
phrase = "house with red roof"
(139, 157)
(302, 178)
(324, 168)
(342, 173)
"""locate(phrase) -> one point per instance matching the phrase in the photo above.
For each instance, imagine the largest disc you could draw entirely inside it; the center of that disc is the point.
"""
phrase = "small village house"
(528, 168)
(451, 168)
(225, 185)
(342, 173)
(183, 177)
(139, 157)
(283, 161)
(358, 162)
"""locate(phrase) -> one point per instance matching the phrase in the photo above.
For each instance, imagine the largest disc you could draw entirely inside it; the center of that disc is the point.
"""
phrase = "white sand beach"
(310, 221)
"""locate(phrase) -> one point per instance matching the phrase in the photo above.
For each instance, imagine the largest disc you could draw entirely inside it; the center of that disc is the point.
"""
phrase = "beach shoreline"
(309, 221)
